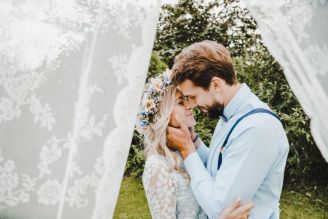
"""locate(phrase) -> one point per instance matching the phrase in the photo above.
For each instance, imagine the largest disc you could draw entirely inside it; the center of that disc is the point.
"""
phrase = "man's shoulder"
(257, 119)
(258, 122)
(263, 127)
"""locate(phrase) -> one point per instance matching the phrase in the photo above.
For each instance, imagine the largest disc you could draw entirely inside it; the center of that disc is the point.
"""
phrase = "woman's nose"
(188, 110)
(189, 105)
(186, 105)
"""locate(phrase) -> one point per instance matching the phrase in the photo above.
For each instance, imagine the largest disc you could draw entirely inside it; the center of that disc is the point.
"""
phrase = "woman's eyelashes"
(188, 98)
(180, 101)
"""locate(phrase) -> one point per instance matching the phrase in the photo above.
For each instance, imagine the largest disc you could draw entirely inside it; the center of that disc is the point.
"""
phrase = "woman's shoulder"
(156, 161)
(157, 169)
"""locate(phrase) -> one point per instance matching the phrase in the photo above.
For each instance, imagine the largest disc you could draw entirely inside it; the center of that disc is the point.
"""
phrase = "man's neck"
(230, 92)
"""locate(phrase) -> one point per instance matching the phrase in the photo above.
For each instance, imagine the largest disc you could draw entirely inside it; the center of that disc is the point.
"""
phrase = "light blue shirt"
(253, 163)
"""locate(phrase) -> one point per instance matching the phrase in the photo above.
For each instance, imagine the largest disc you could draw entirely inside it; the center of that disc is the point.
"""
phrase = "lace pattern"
(71, 77)
(168, 193)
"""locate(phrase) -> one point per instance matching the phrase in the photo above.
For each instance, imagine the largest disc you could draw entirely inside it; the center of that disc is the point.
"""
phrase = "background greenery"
(132, 203)
(231, 25)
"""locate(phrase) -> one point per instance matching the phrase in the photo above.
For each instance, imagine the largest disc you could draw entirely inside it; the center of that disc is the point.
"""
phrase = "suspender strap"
(257, 110)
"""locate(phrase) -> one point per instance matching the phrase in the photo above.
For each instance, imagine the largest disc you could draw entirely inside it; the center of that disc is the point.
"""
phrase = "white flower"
(24, 197)
(6, 104)
(50, 153)
(8, 181)
(50, 192)
(7, 109)
(42, 114)
(149, 104)
(10, 165)
(167, 73)
(156, 83)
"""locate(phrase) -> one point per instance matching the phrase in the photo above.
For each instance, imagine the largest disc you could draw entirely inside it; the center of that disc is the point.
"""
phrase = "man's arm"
(247, 162)
(202, 150)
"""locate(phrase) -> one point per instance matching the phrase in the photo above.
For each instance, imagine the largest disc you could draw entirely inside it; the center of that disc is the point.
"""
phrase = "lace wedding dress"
(168, 192)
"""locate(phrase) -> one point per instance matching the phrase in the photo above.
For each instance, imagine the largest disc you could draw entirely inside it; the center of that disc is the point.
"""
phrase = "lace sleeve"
(160, 187)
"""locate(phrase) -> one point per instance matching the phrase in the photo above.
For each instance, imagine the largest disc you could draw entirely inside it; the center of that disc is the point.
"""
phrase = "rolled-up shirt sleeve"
(246, 161)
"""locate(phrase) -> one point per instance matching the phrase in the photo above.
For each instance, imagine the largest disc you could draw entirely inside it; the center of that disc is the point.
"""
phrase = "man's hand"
(192, 132)
(180, 138)
(237, 211)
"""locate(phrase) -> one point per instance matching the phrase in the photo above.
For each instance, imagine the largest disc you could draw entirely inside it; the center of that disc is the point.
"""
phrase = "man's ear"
(216, 84)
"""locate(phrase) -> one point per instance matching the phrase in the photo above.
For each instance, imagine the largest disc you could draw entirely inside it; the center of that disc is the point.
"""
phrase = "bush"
(136, 159)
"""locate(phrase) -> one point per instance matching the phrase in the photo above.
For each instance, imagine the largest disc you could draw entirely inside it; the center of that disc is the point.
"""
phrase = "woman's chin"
(191, 122)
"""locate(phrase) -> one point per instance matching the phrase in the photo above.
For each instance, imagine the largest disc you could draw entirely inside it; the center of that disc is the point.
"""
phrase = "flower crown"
(152, 96)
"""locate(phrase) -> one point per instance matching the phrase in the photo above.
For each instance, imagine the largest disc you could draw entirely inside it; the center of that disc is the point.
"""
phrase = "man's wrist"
(185, 153)
(193, 134)
(197, 141)
(195, 138)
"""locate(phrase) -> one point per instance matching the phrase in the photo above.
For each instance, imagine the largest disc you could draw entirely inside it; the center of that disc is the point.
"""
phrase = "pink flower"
(156, 83)
(149, 104)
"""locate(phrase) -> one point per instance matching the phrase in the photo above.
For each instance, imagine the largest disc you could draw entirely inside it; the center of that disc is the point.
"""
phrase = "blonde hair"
(155, 134)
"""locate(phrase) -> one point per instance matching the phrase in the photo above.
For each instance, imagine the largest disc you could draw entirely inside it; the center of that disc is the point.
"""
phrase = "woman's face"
(180, 110)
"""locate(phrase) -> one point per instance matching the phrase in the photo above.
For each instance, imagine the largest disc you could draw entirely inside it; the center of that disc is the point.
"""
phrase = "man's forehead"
(186, 88)
(183, 92)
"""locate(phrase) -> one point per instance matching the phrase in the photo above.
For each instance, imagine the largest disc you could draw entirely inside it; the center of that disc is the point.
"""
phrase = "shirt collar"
(236, 102)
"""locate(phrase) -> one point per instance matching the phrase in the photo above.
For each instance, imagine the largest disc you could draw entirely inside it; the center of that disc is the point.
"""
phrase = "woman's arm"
(160, 188)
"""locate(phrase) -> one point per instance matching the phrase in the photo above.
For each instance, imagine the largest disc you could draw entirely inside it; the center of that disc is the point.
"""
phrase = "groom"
(249, 148)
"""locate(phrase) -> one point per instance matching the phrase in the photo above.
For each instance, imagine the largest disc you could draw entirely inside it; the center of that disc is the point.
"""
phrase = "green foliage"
(193, 21)
(136, 159)
(205, 126)
(232, 26)
(156, 66)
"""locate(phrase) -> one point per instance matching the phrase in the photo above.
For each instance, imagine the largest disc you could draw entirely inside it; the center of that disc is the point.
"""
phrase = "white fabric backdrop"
(71, 77)
(296, 34)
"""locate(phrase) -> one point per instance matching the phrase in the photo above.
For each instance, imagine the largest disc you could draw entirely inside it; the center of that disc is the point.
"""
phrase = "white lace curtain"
(71, 77)
(296, 34)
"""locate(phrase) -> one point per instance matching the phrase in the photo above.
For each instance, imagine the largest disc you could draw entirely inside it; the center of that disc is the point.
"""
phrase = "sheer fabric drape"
(296, 33)
(71, 77)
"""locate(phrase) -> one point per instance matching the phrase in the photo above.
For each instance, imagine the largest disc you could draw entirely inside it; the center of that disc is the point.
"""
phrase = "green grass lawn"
(132, 203)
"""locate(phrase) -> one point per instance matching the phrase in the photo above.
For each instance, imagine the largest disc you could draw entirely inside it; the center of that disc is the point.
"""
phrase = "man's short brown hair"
(202, 61)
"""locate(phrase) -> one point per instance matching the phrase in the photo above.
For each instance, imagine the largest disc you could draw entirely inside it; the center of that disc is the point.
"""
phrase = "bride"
(166, 182)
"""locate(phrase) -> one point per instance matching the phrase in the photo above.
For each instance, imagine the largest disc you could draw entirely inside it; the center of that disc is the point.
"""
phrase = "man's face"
(204, 99)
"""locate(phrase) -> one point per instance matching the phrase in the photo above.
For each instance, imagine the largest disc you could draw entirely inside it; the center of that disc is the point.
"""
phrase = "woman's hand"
(237, 211)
